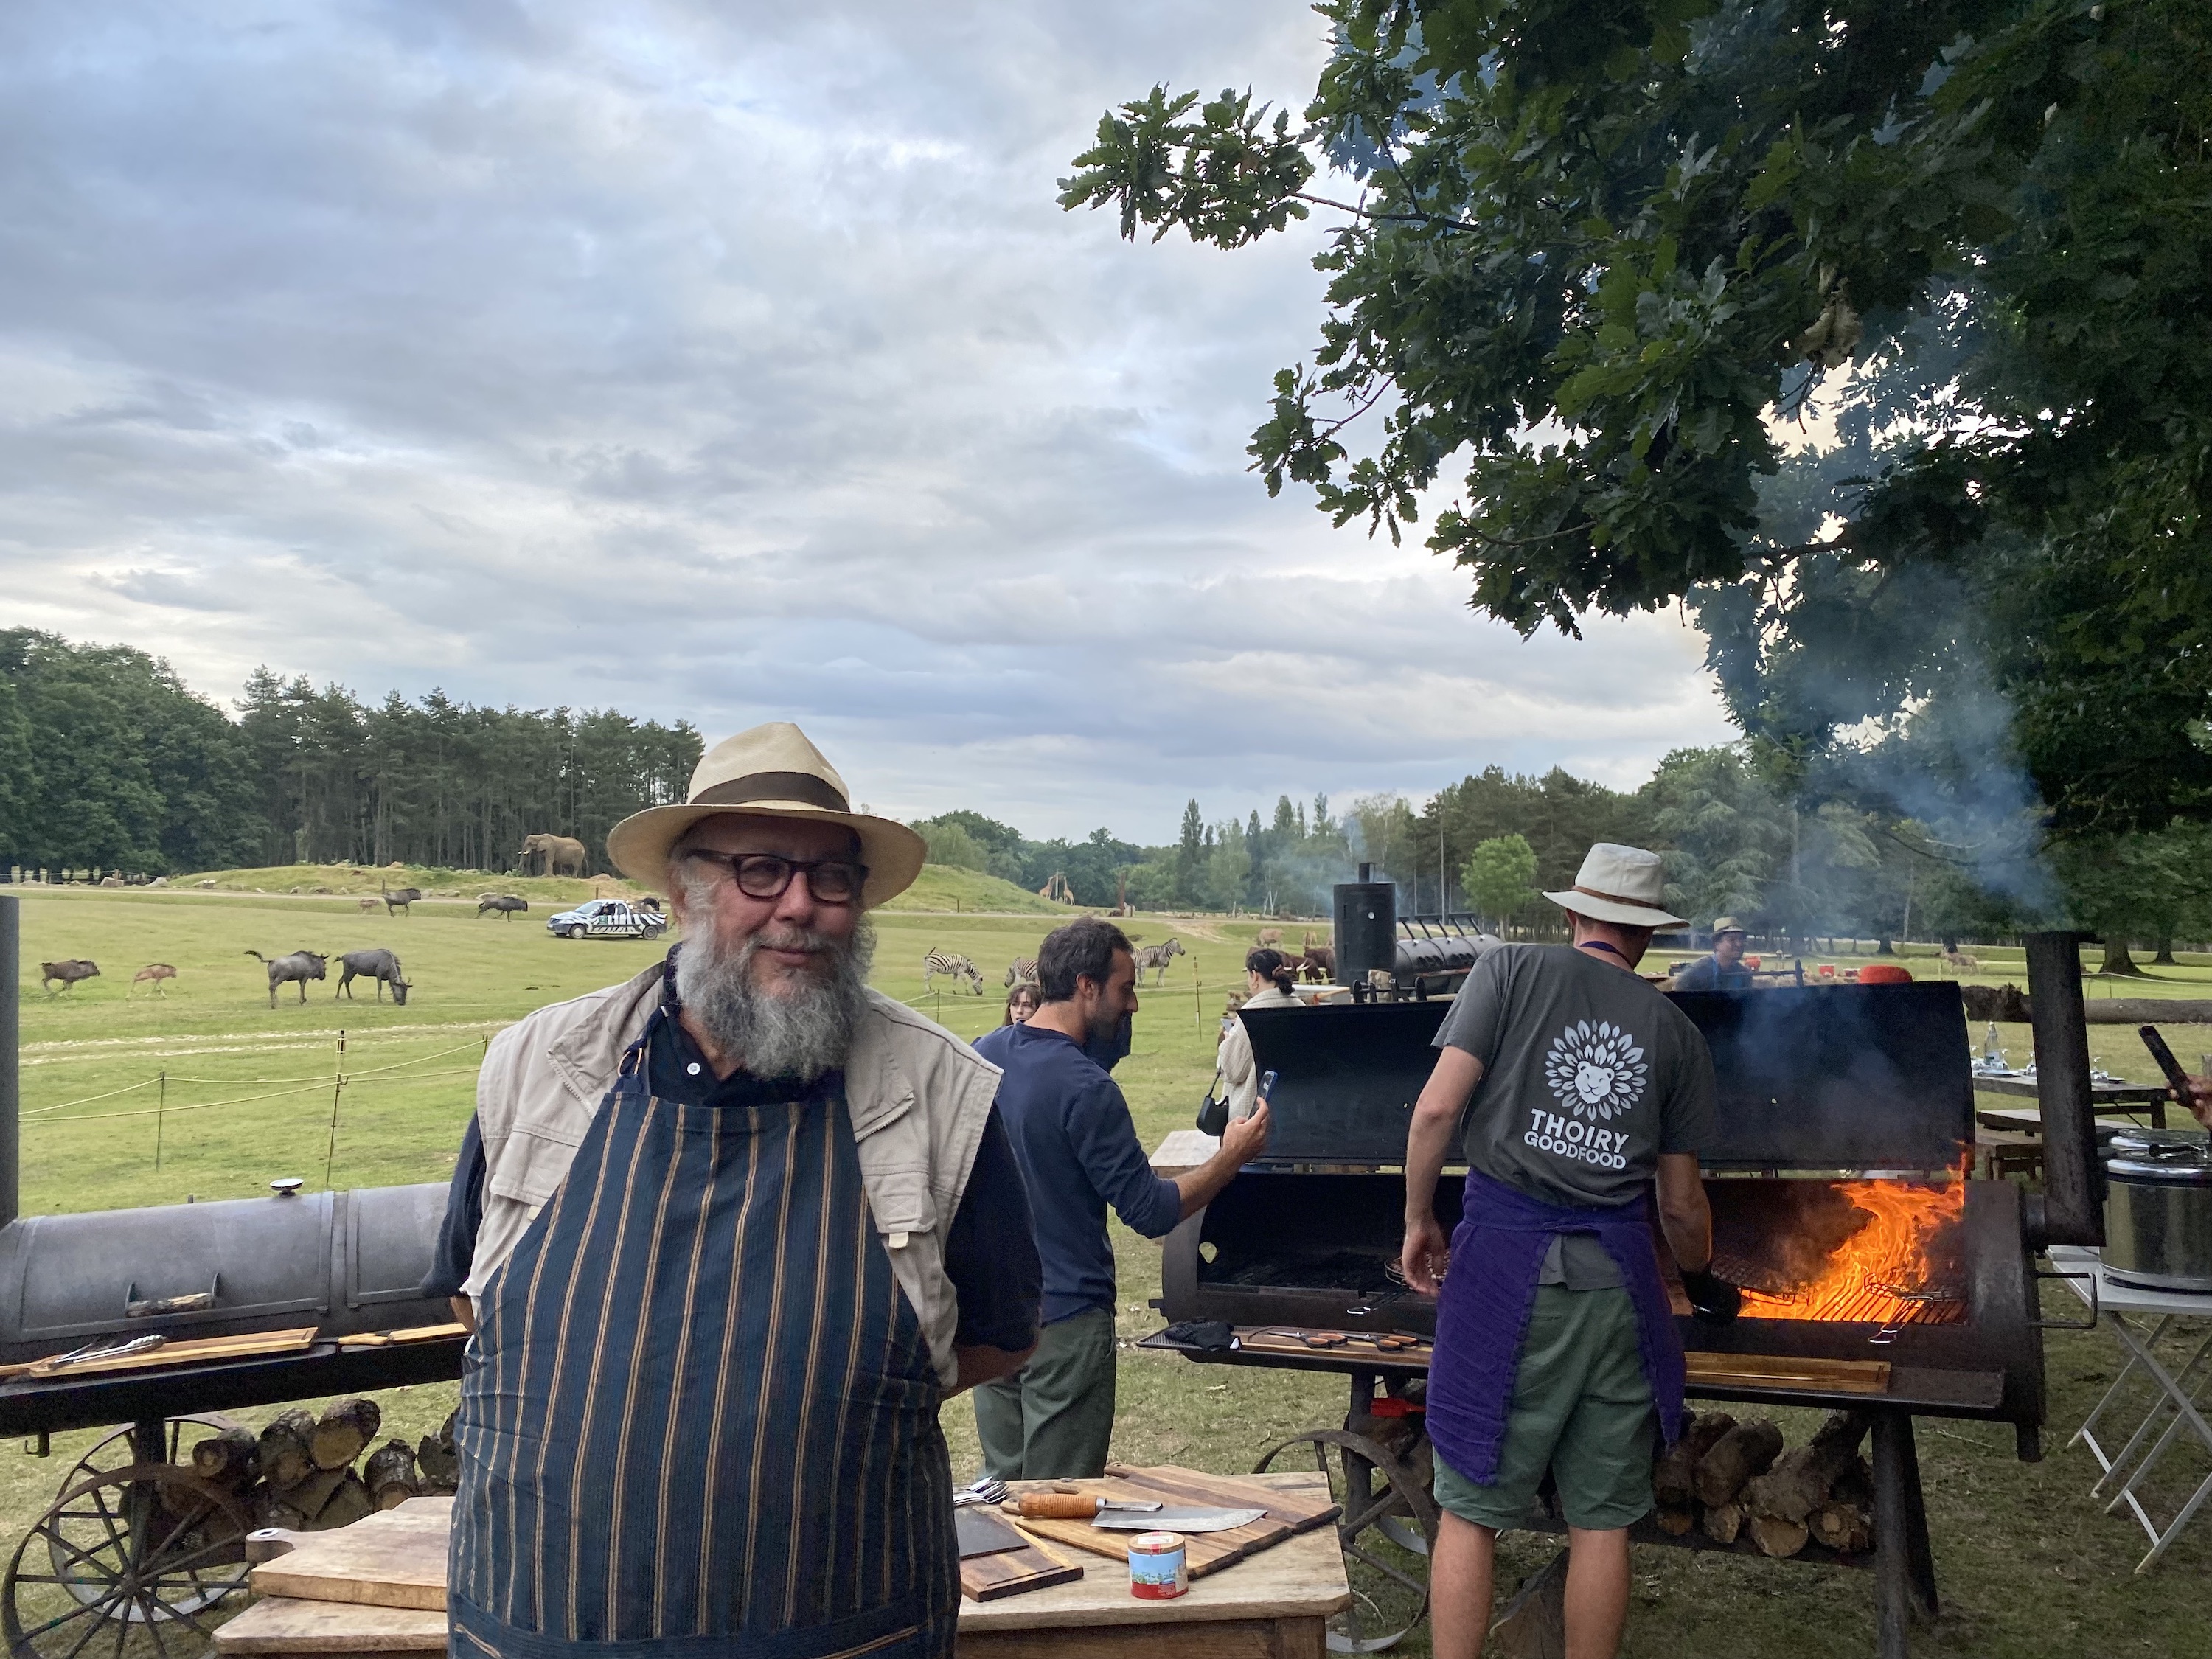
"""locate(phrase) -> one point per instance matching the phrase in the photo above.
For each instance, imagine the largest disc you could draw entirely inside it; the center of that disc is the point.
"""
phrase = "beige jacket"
(1234, 1059)
(918, 1096)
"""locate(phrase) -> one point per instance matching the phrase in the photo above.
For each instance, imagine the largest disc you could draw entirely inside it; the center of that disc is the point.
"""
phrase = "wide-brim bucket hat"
(770, 771)
(1620, 884)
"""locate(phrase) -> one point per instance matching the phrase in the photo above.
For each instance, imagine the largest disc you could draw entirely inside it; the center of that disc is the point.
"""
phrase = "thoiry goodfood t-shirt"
(1589, 1074)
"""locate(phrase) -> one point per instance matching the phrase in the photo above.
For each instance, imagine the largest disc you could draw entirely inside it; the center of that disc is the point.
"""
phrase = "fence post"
(338, 1088)
(161, 1106)
(1197, 1001)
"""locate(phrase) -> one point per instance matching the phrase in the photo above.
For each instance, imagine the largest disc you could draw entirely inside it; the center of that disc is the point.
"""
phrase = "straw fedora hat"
(1620, 884)
(770, 771)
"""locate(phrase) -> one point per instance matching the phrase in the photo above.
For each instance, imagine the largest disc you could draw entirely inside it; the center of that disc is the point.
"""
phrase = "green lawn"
(2029, 1565)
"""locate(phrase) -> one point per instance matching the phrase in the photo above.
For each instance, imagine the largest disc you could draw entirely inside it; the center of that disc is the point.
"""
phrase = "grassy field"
(2029, 1566)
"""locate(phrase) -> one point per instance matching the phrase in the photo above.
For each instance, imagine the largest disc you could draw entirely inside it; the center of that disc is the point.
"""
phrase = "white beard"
(802, 1028)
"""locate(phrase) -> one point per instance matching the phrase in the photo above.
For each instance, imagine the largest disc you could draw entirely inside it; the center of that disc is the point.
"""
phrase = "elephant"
(563, 855)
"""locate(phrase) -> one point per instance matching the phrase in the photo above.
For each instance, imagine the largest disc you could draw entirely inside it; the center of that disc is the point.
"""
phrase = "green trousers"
(1052, 1420)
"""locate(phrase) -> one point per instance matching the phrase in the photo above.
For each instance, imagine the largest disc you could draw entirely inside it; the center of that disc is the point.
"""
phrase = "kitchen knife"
(1167, 1519)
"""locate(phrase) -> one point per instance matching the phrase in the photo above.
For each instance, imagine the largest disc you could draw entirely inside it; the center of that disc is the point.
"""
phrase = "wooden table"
(2118, 1098)
(1274, 1605)
(1183, 1151)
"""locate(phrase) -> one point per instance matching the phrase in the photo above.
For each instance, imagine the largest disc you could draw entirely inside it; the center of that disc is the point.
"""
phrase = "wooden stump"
(1777, 1538)
(228, 1457)
(434, 1457)
(1671, 1475)
(348, 1502)
(1747, 1450)
(284, 1456)
(344, 1431)
(1722, 1523)
(389, 1475)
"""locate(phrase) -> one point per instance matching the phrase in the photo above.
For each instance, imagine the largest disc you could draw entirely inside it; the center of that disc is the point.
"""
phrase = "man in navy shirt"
(1079, 1153)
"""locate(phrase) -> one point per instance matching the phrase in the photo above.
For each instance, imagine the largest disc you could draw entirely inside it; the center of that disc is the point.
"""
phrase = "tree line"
(1737, 840)
(109, 760)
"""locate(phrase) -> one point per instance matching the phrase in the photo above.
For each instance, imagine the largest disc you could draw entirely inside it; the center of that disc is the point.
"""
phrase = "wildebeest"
(156, 972)
(953, 966)
(564, 854)
(379, 965)
(506, 902)
(300, 967)
(68, 972)
(1154, 958)
(1021, 971)
(399, 898)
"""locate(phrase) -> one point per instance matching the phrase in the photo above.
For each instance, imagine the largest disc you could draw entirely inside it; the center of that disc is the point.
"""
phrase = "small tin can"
(1157, 1572)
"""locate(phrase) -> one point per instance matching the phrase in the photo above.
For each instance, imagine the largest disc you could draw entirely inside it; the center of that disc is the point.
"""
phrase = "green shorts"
(1582, 1407)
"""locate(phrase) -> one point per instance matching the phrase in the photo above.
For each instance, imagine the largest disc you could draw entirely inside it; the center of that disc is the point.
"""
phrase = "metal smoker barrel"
(1366, 928)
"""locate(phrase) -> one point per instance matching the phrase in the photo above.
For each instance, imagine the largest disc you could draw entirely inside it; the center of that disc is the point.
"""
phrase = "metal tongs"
(98, 1348)
(1915, 1300)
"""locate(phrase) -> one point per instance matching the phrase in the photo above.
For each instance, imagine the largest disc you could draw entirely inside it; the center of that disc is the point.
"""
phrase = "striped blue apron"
(700, 1419)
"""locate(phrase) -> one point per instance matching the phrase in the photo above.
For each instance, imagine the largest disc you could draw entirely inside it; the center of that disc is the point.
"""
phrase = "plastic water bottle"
(1993, 1053)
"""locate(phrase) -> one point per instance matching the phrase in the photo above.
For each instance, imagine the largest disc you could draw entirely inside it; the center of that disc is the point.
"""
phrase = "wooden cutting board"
(1267, 1338)
(1750, 1370)
(205, 1349)
(1034, 1566)
(278, 1624)
(1205, 1553)
(394, 1558)
(1734, 1370)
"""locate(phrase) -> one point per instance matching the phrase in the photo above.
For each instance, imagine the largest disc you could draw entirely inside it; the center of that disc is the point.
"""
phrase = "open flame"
(1886, 1272)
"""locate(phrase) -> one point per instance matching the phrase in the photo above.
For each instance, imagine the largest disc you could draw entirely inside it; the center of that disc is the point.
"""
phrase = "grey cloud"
(405, 344)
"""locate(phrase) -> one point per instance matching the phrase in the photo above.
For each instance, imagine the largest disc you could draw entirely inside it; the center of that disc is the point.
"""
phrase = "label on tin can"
(1157, 1569)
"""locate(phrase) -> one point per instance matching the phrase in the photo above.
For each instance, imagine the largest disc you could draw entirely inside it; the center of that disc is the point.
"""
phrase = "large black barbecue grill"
(1836, 1102)
(136, 1550)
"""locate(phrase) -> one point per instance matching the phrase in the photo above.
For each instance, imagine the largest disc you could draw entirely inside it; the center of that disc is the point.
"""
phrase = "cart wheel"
(115, 1453)
(1386, 1508)
(124, 1567)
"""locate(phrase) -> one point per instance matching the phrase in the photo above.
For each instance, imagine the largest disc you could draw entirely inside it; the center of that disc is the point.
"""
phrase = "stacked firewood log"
(299, 1472)
(1731, 1480)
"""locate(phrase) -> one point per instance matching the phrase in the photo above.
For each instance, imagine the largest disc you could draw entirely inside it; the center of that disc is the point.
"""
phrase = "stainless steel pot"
(2158, 1210)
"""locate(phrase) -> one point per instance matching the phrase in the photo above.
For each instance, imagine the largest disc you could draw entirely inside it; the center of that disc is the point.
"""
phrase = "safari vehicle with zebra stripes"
(609, 918)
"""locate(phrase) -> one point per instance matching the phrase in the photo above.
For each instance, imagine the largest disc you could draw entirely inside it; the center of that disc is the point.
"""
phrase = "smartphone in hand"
(2176, 1078)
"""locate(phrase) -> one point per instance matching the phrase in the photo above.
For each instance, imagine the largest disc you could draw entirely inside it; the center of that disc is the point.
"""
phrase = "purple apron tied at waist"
(1489, 1294)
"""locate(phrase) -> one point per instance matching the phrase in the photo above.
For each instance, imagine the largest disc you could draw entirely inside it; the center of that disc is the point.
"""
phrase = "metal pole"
(2072, 1209)
(11, 980)
(338, 1088)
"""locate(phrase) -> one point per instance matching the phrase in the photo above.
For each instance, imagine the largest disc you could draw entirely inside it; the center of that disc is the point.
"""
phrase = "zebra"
(1022, 971)
(1156, 957)
(953, 966)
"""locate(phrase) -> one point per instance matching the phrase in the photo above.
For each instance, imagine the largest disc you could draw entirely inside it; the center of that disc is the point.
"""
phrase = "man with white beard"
(727, 1235)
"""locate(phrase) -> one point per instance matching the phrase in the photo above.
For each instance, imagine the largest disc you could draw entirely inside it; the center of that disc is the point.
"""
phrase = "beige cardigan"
(918, 1096)
(1234, 1059)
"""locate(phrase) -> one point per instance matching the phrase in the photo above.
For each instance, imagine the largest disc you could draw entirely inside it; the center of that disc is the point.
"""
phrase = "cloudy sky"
(729, 362)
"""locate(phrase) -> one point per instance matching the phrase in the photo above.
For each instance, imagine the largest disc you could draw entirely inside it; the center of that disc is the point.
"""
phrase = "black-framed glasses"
(765, 875)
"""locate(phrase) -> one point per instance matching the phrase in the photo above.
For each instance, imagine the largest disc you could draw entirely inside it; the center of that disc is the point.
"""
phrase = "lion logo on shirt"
(1596, 1069)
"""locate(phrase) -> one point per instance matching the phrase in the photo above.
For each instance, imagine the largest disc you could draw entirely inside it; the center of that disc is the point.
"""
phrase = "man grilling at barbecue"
(727, 1234)
(1721, 969)
(1576, 1083)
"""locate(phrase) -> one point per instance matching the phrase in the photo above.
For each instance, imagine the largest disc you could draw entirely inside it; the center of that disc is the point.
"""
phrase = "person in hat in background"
(1721, 968)
(726, 1233)
(1572, 1083)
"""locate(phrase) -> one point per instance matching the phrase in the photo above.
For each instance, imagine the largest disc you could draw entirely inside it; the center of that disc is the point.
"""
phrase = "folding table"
(2179, 1409)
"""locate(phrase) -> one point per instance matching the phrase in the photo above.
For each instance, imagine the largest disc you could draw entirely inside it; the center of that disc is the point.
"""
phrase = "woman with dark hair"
(1021, 1003)
(1269, 976)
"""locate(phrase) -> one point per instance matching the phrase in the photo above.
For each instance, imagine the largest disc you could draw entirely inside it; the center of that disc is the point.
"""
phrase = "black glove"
(1711, 1299)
